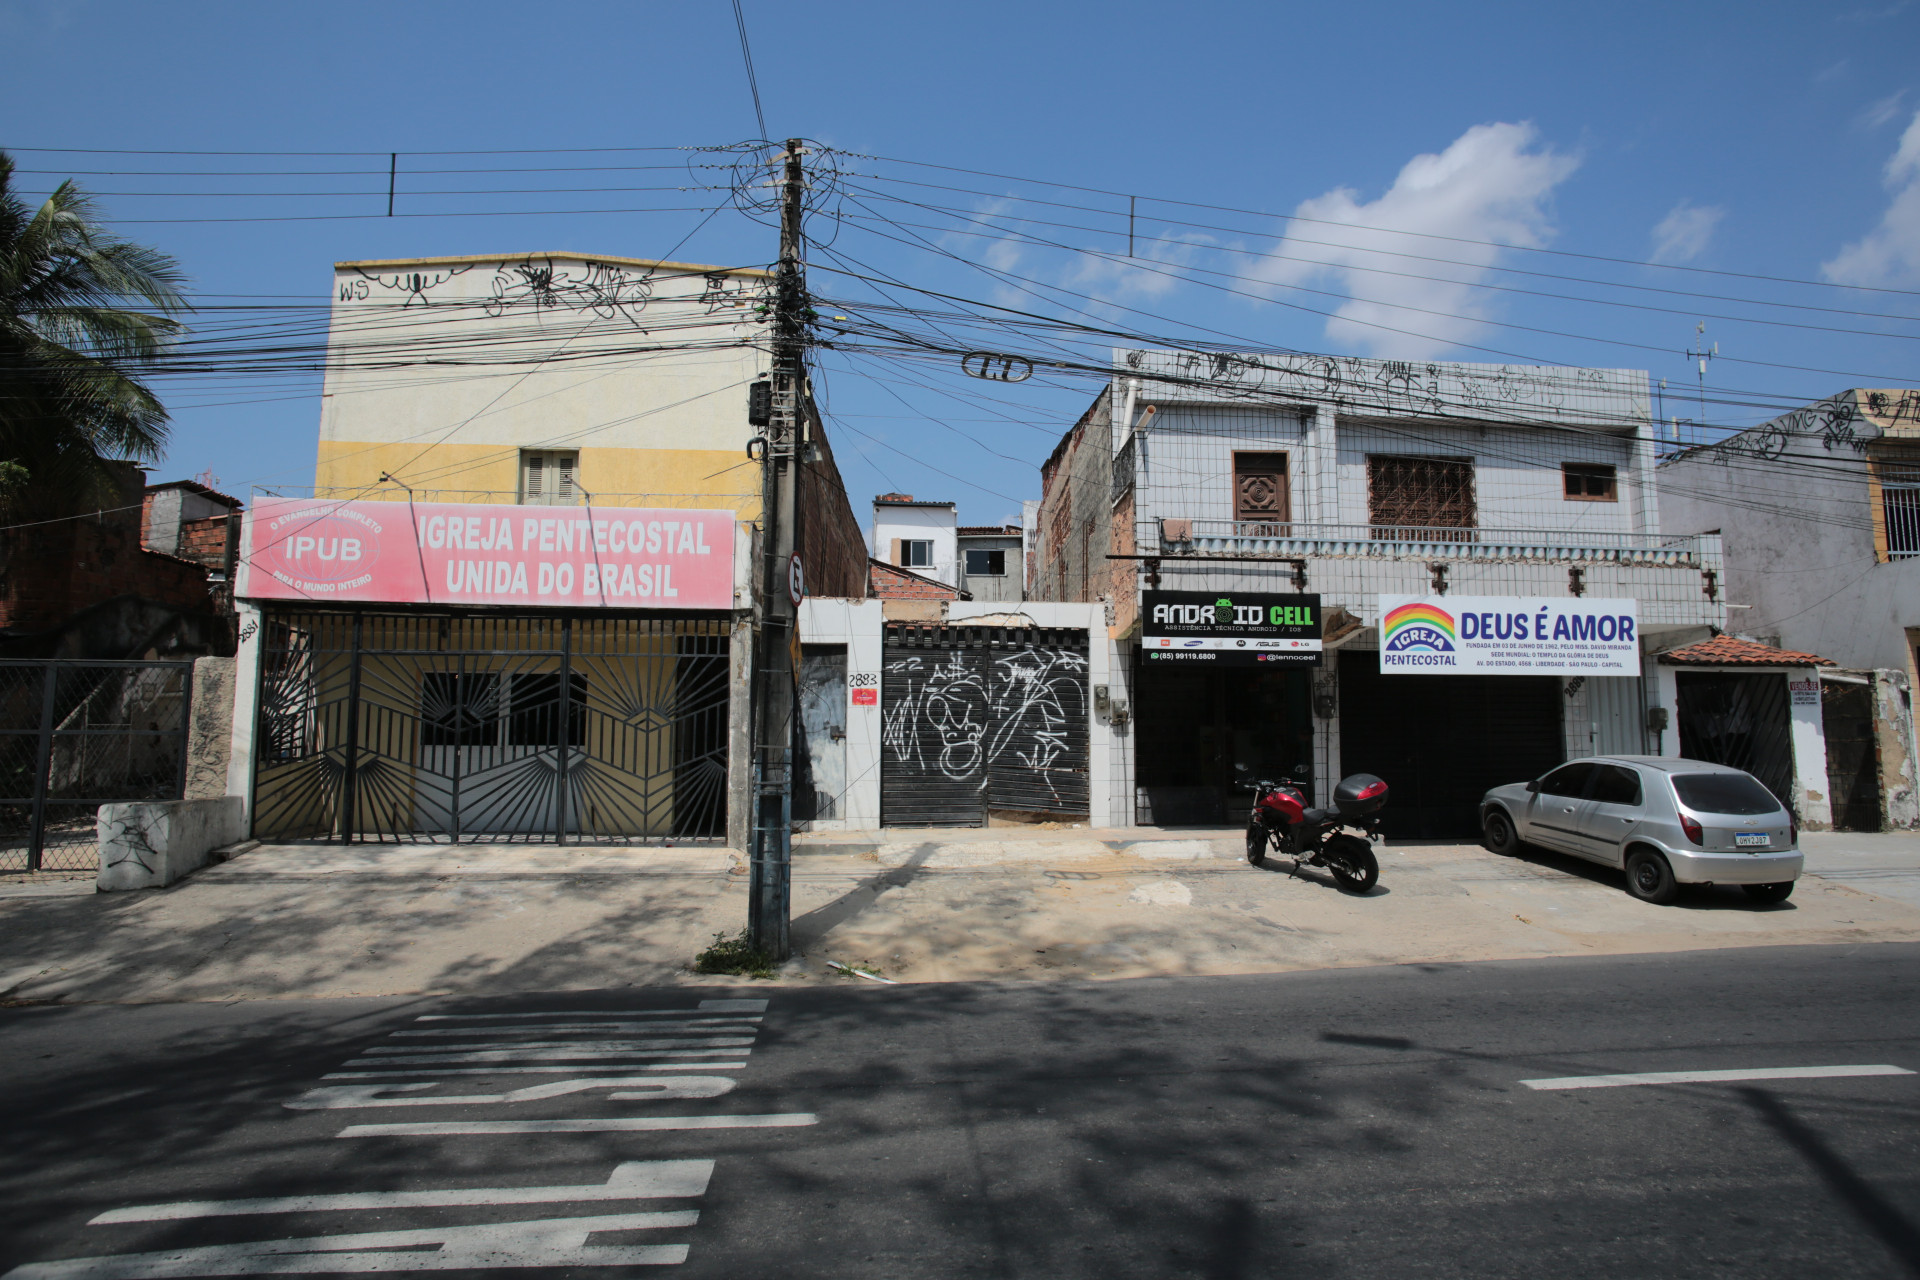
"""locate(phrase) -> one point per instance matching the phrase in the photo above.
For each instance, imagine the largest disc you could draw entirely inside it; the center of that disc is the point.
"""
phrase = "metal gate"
(1740, 720)
(75, 735)
(430, 727)
(983, 719)
(1853, 754)
(1442, 741)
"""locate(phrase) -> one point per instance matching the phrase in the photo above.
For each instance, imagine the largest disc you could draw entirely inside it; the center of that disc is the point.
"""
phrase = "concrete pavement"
(321, 921)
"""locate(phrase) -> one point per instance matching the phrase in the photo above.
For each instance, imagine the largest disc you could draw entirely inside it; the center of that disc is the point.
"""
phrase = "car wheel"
(1769, 893)
(1501, 838)
(1650, 879)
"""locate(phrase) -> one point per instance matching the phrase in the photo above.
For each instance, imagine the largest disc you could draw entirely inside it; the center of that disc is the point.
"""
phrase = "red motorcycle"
(1282, 822)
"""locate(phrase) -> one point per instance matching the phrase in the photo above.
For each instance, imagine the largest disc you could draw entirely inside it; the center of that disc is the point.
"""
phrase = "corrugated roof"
(1726, 651)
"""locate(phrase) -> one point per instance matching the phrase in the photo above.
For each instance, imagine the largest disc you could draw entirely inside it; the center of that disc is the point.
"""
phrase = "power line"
(1428, 235)
(746, 55)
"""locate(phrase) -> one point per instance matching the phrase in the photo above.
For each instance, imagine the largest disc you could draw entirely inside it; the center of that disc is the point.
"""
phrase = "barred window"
(1900, 506)
(1407, 497)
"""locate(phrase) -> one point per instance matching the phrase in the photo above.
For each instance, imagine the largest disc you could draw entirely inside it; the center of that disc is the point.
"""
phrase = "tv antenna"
(1700, 353)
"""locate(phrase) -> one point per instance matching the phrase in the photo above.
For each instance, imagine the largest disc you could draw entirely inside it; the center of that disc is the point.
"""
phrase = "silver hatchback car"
(1666, 822)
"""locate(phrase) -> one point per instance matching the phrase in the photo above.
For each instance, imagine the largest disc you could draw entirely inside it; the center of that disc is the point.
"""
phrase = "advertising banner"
(1509, 636)
(325, 551)
(1235, 630)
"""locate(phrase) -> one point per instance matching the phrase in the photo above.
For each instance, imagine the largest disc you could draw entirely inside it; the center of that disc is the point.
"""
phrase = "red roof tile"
(1725, 651)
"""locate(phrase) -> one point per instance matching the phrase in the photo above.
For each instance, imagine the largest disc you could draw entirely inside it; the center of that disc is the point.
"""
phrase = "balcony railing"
(1243, 539)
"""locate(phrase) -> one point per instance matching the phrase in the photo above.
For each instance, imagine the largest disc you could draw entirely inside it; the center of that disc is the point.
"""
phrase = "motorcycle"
(1282, 822)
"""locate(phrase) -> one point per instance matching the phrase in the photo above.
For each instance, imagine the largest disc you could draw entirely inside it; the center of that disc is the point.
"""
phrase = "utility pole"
(770, 909)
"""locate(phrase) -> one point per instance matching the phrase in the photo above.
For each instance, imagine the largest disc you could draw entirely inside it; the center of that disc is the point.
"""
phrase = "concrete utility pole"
(770, 908)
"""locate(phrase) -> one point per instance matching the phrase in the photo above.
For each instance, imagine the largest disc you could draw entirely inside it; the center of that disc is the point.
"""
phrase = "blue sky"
(1760, 139)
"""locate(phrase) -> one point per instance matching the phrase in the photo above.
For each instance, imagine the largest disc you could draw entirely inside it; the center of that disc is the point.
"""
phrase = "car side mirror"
(1534, 785)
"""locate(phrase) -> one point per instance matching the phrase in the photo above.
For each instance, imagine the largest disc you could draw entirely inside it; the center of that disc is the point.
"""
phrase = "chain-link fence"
(75, 735)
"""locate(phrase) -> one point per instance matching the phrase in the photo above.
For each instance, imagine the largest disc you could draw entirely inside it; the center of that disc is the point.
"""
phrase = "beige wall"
(642, 367)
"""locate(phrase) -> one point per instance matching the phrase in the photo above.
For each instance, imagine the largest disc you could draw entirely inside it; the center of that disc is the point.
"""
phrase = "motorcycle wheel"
(1256, 845)
(1355, 869)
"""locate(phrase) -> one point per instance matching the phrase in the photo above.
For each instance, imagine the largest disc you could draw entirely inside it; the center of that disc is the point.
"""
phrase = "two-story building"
(1819, 514)
(1319, 494)
(917, 534)
(518, 601)
(991, 558)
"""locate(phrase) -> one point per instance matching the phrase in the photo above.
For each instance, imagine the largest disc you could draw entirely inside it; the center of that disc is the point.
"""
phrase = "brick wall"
(1076, 514)
(891, 582)
(204, 541)
(832, 546)
(49, 572)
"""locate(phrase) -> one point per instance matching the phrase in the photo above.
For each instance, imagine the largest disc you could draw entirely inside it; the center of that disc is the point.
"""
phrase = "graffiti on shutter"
(982, 719)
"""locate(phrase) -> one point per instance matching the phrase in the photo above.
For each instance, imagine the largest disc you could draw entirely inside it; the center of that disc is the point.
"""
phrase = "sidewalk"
(912, 906)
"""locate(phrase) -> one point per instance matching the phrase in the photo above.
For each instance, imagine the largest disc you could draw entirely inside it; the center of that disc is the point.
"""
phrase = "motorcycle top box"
(1360, 795)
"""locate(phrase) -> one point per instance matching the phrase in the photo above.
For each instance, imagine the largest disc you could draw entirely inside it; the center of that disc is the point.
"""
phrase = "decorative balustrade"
(1246, 539)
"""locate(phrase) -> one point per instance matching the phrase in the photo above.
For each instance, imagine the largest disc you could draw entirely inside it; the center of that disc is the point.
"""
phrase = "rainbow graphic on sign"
(1417, 627)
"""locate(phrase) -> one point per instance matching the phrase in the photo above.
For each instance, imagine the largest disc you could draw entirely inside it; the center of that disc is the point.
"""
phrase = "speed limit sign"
(796, 581)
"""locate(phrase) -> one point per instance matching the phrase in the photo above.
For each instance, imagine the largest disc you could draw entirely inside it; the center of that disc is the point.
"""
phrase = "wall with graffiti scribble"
(970, 729)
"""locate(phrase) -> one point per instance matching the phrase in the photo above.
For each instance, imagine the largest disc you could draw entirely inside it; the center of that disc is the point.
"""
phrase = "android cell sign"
(472, 553)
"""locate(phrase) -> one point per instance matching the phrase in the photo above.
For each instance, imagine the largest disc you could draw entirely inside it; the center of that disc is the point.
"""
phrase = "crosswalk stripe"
(630, 1124)
(538, 1242)
(632, 1180)
(521, 1071)
(669, 1042)
(708, 1026)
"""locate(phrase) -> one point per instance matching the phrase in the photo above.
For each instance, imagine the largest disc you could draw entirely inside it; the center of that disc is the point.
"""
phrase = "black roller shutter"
(979, 719)
(1442, 741)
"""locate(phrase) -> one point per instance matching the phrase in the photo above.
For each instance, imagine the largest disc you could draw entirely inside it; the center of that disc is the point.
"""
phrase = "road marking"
(521, 1046)
(342, 1096)
(544, 1055)
(522, 1071)
(539, 1242)
(706, 1006)
(694, 1026)
(633, 1180)
(635, 1124)
(1713, 1077)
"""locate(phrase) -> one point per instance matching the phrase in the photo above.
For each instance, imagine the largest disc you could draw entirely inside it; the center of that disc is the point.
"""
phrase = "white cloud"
(1883, 111)
(1889, 255)
(1683, 234)
(1106, 278)
(1489, 189)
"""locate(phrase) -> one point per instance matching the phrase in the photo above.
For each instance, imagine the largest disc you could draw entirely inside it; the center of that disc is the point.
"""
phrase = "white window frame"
(909, 547)
(549, 477)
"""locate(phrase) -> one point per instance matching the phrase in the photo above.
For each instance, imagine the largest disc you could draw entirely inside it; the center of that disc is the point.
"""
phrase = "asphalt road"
(1340, 1123)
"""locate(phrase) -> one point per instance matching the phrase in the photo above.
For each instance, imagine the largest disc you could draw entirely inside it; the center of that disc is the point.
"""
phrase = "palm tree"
(70, 350)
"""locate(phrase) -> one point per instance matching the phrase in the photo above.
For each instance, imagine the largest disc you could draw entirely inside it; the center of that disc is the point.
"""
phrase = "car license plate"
(1745, 839)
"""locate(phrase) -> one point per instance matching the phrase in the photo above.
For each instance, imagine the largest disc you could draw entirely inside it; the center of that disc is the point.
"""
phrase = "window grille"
(1409, 497)
(1260, 494)
(547, 478)
(1900, 507)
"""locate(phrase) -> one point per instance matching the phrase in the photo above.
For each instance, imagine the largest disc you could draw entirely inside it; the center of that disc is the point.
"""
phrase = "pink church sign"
(326, 551)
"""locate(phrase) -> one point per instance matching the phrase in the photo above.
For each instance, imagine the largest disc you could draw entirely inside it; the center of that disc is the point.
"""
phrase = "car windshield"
(1724, 793)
